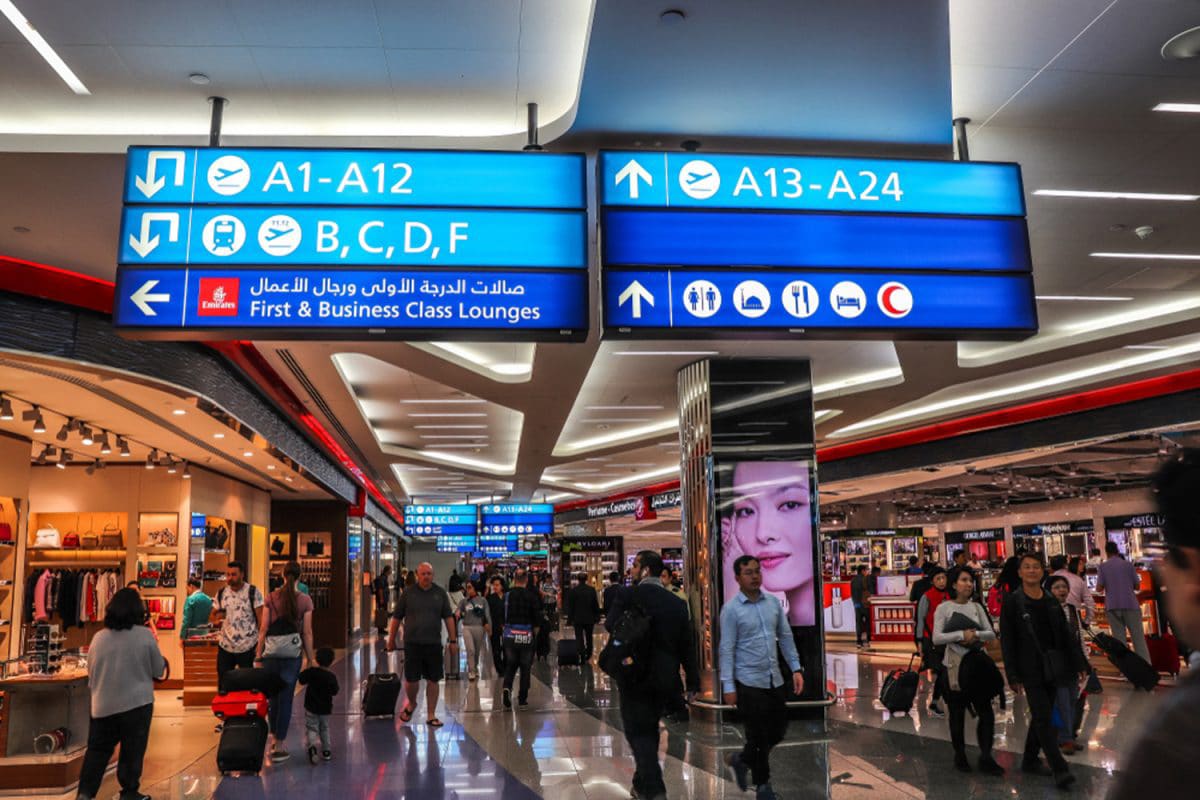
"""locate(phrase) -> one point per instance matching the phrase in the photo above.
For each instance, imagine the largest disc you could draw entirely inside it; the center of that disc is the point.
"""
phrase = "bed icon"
(842, 301)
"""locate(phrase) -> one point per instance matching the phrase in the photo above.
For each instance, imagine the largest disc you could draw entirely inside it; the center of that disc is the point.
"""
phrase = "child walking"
(318, 704)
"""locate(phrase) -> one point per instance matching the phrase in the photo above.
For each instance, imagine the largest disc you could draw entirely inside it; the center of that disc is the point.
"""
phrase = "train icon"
(223, 235)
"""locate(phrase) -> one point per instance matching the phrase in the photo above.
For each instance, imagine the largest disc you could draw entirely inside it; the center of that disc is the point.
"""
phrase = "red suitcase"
(239, 704)
(1164, 653)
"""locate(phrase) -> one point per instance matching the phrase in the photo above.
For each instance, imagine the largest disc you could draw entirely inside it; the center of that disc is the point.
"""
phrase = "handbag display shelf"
(77, 532)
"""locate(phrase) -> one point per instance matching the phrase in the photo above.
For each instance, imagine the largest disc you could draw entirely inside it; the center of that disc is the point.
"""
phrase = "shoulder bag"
(1055, 666)
(111, 537)
(47, 538)
(283, 639)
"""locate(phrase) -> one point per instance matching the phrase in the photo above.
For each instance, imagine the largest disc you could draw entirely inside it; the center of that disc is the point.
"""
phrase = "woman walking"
(495, 600)
(476, 619)
(962, 626)
(282, 644)
(123, 663)
(1039, 656)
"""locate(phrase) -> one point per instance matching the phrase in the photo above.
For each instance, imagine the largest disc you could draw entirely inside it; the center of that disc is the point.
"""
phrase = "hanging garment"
(41, 597)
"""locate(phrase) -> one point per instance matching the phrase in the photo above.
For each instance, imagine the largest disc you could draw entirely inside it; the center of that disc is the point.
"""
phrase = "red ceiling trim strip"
(95, 294)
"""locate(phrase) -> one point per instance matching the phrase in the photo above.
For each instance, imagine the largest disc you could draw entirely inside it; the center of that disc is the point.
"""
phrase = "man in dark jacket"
(583, 612)
(1163, 763)
(643, 704)
(610, 594)
(1039, 656)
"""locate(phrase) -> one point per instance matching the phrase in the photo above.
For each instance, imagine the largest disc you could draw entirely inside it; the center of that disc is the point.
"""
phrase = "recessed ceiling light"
(1087, 194)
(248, 453)
(25, 27)
(1071, 298)
(200, 79)
(459, 400)
(449, 414)
(218, 436)
(624, 419)
(450, 427)
(666, 353)
(476, 436)
(1144, 347)
(1179, 108)
(179, 412)
(270, 466)
(1151, 256)
(624, 408)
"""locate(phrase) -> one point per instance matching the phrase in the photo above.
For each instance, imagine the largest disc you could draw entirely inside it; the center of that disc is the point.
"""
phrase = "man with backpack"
(753, 629)
(651, 639)
(238, 608)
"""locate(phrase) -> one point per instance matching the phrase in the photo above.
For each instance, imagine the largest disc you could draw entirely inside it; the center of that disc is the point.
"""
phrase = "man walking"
(1119, 581)
(238, 608)
(522, 615)
(583, 612)
(860, 592)
(753, 626)
(1162, 763)
(610, 594)
(423, 608)
(669, 640)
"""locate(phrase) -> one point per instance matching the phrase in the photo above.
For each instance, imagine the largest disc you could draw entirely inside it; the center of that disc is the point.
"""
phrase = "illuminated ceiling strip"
(26, 29)
(1179, 108)
(1028, 387)
(1117, 195)
(641, 476)
(1080, 298)
(1150, 256)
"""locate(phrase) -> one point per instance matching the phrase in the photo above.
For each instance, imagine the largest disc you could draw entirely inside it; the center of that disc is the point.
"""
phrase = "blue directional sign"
(770, 239)
(457, 544)
(282, 302)
(354, 237)
(695, 302)
(809, 183)
(227, 176)
(516, 519)
(441, 520)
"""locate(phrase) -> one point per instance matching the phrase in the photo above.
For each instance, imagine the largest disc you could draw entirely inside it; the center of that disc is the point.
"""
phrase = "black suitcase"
(248, 679)
(380, 692)
(568, 653)
(243, 743)
(900, 689)
(1136, 669)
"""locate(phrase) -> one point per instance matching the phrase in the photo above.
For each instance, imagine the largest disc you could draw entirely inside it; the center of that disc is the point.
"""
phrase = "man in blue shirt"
(753, 625)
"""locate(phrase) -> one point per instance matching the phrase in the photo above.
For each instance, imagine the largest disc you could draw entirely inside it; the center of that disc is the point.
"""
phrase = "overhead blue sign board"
(441, 520)
(780, 246)
(458, 543)
(515, 519)
(809, 183)
(353, 243)
(228, 176)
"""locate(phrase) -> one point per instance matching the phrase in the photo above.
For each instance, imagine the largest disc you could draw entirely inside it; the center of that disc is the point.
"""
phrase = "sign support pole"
(531, 127)
(214, 127)
(960, 138)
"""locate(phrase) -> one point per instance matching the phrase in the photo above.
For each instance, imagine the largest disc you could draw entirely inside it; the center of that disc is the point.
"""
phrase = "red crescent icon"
(888, 305)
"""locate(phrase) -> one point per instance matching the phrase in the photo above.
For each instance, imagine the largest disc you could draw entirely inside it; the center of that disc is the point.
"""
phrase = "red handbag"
(71, 540)
(5, 529)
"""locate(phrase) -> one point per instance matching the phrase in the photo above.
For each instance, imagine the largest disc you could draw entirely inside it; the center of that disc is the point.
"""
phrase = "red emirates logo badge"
(218, 297)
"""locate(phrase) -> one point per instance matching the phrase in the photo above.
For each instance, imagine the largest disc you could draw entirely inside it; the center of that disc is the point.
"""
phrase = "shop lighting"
(457, 400)
(34, 415)
(1179, 108)
(151, 459)
(123, 446)
(95, 465)
(187, 471)
(64, 458)
(65, 430)
(47, 453)
(1080, 298)
(270, 466)
(171, 468)
(105, 447)
(6, 408)
(179, 412)
(1150, 256)
(86, 433)
(1116, 195)
(26, 29)
(248, 453)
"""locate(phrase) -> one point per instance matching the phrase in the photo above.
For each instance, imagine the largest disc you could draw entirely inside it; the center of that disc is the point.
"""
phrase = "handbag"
(215, 538)
(89, 540)
(71, 540)
(5, 529)
(283, 640)
(165, 622)
(518, 633)
(314, 547)
(47, 538)
(277, 545)
(111, 537)
(167, 579)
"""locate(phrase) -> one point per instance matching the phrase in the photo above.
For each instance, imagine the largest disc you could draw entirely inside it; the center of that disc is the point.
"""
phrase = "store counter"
(43, 731)
(199, 670)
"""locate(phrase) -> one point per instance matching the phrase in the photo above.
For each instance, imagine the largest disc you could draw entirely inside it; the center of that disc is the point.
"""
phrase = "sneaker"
(960, 762)
(1063, 779)
(327, 755)
(507, 697)
(936, 711)
(765, 792)
(1035, 767)
(988, 766)
(741, 772)
(312, 754)
(522, 704)
(279, 755)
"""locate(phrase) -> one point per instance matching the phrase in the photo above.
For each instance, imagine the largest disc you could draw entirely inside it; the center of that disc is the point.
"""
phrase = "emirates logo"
(218, 297)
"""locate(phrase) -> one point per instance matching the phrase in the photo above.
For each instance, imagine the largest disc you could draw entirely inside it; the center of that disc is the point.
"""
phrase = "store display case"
(43, 728)
(892, 619)
(10, 514)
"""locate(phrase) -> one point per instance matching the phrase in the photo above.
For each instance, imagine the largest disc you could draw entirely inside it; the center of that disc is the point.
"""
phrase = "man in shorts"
(423, 608)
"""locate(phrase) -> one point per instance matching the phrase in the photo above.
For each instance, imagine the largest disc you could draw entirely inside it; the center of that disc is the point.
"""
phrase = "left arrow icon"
(145, 295)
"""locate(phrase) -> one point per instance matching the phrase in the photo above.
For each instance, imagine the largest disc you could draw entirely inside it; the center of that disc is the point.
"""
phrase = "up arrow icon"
(150, 185)
(633, 172)
(635, 293)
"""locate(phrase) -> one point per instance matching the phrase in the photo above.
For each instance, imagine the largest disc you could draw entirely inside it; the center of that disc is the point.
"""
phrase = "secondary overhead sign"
(351, 243)
(696, 245)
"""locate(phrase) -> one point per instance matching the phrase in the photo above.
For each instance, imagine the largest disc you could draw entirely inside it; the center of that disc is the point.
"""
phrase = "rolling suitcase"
(249, 680)
(380, 692)
(243, 743)
(568, 653)
(1136, 669)
(900, 689)
(1164, 653)
(227, 705)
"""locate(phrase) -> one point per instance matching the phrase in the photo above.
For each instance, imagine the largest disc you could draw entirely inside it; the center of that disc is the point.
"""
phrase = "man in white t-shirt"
(238, 607)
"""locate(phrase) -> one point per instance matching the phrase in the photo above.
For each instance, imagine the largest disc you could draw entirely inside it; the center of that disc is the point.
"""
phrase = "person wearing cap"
(1162, 761)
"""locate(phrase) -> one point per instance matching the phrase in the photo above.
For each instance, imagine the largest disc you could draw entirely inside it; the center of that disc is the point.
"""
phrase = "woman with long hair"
(931, 654)
(282, 644)
(123, 663)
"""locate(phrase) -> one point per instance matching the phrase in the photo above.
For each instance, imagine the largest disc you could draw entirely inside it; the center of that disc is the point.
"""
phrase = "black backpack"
(626, 656)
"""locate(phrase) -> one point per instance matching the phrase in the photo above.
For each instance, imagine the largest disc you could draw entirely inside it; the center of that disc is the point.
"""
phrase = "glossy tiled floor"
(568, 744)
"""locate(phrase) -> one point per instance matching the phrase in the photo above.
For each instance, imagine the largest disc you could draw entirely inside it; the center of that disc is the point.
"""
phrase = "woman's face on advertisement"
(771, 520)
